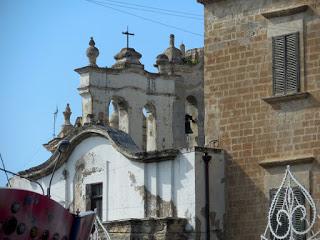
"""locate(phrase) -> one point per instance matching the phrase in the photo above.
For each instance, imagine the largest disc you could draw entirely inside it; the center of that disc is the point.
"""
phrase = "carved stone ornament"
(67, 113)
(92, 53)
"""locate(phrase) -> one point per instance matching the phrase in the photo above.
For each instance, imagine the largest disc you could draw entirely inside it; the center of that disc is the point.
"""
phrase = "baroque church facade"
(142, 165)
(249, 101)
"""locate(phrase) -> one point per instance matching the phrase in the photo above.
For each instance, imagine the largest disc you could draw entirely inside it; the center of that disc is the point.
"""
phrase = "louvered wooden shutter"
(298, 224)
(292, 63)
(279, 67)
(280, 230)
(285, 64)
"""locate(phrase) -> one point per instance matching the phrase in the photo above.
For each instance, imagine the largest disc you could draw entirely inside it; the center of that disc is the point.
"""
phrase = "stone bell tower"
(150, 107)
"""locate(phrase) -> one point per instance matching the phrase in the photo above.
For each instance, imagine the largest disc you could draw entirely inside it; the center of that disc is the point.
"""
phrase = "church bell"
(188, 129)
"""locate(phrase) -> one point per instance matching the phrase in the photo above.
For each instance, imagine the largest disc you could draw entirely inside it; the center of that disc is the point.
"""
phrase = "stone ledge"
(268, 163)
(285, 11)
(148, 228)
(286, 98)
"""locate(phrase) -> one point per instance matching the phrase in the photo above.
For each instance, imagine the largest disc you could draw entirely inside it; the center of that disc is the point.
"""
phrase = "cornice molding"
(276, 162)
(283, 12)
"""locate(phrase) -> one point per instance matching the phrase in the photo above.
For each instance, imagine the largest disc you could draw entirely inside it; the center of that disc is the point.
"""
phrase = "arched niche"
(149, 128)
(118, 114)
(191, 121)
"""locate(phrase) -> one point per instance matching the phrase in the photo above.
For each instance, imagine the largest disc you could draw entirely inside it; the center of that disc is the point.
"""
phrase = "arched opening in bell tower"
(149, 128)
(191, 121)
(118, 114)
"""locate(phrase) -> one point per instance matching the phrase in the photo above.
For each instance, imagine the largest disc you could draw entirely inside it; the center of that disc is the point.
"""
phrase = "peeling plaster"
(155, 206)
(93, 170)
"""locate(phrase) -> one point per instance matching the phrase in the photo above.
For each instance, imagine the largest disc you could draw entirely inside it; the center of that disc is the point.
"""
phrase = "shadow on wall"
(246, 203)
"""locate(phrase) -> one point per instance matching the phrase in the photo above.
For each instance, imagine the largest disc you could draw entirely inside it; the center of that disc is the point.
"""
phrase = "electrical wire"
(146, 19)
(154, 8)
(148, 10)
(5, 171)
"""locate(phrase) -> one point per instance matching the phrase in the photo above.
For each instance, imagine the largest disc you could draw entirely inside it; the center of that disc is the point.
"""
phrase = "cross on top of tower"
(128, 34)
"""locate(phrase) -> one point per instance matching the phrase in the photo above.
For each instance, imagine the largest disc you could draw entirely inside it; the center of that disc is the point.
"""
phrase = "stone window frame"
(283, 22)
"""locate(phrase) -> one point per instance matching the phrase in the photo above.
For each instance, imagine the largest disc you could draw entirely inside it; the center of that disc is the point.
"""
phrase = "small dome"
(127, 57)
(162, 59)
(92, 53)
(128, 53)
(173, 53)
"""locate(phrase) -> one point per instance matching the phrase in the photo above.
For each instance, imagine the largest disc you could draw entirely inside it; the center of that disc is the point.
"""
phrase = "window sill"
(285, 11)
(286, 98)
(268, 163)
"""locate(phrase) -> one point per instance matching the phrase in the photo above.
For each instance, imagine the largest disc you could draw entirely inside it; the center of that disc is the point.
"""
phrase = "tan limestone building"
(262, 93)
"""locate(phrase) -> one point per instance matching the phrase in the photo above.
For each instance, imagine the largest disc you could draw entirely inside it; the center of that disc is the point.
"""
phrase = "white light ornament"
(287, 212)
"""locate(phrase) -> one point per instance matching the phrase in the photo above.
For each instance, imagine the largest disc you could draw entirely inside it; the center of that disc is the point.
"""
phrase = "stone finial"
(92, 53)
(67, 113)
(78, 122)
(66, 126)
(183, 49)
(171, 40)
(162, 63)
(174, 54)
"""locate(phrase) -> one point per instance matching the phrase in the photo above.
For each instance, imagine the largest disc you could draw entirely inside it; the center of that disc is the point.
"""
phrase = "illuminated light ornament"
(286, 210)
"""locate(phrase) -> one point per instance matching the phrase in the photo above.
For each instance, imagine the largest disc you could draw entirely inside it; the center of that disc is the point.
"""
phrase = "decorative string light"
(290, 208)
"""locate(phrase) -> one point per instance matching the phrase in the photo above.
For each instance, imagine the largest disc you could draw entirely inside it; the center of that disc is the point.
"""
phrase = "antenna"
(5, 170)
(54, 121)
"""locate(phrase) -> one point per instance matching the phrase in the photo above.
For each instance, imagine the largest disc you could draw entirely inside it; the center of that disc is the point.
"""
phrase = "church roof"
(120, 140)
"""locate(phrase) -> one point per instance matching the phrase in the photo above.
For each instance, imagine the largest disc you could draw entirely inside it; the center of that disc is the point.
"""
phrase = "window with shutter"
(297, 222)
(285, 64)
(94, 198)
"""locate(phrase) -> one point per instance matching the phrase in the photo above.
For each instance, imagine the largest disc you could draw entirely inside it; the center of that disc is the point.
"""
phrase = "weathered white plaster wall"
(137, 190)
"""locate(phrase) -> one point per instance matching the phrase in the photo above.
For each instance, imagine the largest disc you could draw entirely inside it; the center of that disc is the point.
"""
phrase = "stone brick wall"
(241, 115)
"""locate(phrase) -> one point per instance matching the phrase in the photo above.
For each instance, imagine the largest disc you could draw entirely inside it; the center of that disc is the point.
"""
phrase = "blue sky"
(43, 41)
